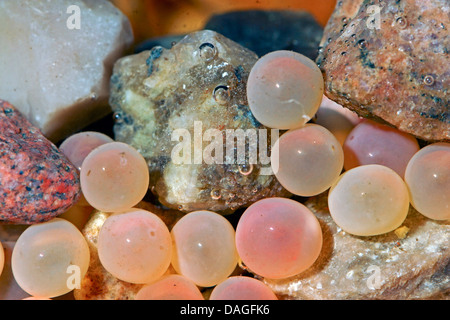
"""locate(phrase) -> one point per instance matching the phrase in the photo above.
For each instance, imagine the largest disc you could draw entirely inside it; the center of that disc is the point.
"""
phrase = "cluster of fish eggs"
(372, 174)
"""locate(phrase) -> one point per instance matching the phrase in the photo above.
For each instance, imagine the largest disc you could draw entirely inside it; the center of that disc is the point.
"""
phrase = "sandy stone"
(388, 60)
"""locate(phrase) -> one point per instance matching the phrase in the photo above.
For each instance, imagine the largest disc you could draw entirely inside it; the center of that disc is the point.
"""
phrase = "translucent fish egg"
(242, 288)
(79, 145)
(374, 143)
(170, 287)
(428, 178)
(369, 200)
(278, 238)
(50, 258)
(306, 161)
(338, 120)
(135, 246)
(284, 89)
(204, 248)
(114, 177)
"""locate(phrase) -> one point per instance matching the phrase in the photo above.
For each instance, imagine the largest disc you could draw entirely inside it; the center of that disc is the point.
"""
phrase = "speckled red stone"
(37, 182)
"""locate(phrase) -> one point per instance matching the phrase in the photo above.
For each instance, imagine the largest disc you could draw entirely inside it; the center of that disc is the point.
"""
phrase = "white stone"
(55, 74)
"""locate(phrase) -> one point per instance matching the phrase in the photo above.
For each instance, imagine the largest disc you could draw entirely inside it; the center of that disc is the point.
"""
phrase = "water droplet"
(402, 22)
(207, 51)
(221, 94)
(180, 207)
(245, 169)
(344, 20)
(215, 194)
(118, 118)
(93, 96)
(362, 43)
(343, 53)
(428, 80)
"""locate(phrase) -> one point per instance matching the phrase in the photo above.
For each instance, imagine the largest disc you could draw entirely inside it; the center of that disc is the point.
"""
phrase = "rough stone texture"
(56, 76)
(263, 31)
(398, 73)
(99, 284)
(37, 182)
(415, 266)
(156, 92)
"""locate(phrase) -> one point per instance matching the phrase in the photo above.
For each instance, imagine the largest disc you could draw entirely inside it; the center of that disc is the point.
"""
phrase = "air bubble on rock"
(207, 51)
(215, 194)
(428, 80)
(245, 169)
(221, 94)
(362, 43)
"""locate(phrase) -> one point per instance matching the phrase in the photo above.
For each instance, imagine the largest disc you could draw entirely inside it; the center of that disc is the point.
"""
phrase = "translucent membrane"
(114, 177)
(78, 146)
(242, 288)
(204, 248)
(338, 120)
(373, 143)
(428, 179)
(284, 89)
(171, 287)
(49, 258)
(278, 238)
(369, 200)
(2, 258)
(135, 246)
(308, 160)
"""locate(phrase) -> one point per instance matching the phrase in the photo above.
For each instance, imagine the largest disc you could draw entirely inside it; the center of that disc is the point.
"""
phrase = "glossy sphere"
(428, 179)
(78, 146)
(204, 248)
(306, 161)
(49, 257)
(284, 89)
(135, 246)
(278, 238)
(373, 143)
(369, 200)
(242, 288)
(2, 258)
(338, 120)
(114, 177)
(170, 287)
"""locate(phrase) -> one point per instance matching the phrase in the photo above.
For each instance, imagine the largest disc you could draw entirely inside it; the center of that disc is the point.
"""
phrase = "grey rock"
(200, 80)
(263, 31)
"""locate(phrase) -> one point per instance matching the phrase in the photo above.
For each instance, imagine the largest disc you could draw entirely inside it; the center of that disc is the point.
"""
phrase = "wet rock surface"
(411, 263)
(175, 107)
(56, 59)
(37, 182)
(388, 60)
